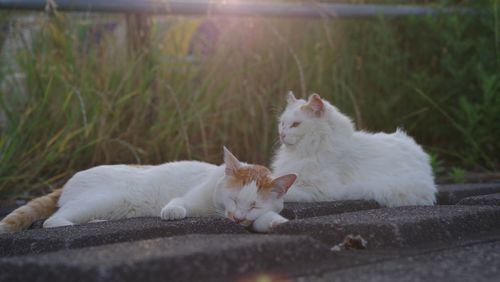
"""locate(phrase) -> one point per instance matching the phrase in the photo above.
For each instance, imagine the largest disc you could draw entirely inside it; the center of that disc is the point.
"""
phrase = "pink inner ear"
(316, 103)
(283, 183)
(231, 162)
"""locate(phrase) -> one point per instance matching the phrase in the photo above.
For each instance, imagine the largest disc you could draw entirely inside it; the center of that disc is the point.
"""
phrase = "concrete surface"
(99, 233)
(398, 227)
(450, 194)
(484, 200)
(479, 262)
(179, 258)
(294, 210)
(446, 242)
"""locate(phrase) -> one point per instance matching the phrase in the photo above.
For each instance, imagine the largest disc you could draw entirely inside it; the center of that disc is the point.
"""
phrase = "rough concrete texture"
(452, 193)
(99, 233)
(181, 258)
(294, 210)
(36, 241)
(484, 200)
(479, 262)
(404, 244)
(398, 227)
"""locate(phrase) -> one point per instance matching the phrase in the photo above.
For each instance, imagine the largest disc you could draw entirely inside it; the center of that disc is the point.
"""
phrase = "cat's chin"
(287, 144)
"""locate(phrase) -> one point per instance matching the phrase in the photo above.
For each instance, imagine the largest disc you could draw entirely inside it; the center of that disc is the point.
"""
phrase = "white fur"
(120, 191)
(246, 206)
(268, 221)
(335, 162)
(172, 191)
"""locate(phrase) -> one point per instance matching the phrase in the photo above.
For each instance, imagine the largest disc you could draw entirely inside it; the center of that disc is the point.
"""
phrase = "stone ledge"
(452, 193)
(296, 210)
(398, 227)
(477, 262)
(181, 258)
(100, 233)
(485, 200)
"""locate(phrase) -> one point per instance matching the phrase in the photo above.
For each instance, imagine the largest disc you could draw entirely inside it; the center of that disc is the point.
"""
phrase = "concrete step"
(477, 262)
(485, 200)
(99, 233)
(295, 210)
(180, 258)
(398, 227)
(42, 240)
(451, 194)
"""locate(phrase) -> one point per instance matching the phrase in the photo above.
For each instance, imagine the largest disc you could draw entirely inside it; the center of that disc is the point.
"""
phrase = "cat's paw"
(277, 222)
(56, 221)
(97, 220)
(267, 222)
(173, 213)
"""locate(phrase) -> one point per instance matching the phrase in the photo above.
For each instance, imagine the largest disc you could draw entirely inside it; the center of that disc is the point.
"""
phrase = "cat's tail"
(22, 217)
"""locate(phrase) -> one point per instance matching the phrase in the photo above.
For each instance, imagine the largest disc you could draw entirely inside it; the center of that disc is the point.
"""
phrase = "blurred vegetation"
(88, 103)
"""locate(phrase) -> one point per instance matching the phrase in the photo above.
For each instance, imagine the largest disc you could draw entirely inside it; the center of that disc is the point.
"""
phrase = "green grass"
(90, 104)
(457, 175)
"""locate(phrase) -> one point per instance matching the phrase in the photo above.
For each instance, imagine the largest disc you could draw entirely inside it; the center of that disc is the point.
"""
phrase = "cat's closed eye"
(253, 205)
(295, 124)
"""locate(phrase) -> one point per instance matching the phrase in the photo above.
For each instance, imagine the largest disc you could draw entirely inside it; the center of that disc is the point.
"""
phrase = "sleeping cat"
(242, 192)
(336, 162)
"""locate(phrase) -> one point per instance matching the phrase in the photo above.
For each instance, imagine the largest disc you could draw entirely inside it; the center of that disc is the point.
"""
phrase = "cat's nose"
(238, 220)
(282, 136)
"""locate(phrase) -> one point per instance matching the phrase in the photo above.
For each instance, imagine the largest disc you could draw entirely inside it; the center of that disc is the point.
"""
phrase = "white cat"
(336, 162)
(242, 192)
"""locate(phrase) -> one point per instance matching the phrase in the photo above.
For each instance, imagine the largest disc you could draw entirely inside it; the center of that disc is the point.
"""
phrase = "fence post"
(138, 33)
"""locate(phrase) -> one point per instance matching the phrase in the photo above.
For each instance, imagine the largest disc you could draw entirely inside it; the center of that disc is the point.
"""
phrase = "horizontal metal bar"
(228, 8)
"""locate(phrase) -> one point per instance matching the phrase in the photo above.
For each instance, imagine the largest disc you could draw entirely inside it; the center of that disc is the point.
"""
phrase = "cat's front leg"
(267, 222)
(175, 209)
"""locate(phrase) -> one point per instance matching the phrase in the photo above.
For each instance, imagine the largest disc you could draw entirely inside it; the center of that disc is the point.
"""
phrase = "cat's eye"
(295, 124)
(253, 205)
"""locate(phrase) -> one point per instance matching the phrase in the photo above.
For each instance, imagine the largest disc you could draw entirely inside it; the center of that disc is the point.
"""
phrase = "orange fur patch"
(39, 208)
(10, 222)
(260, 174)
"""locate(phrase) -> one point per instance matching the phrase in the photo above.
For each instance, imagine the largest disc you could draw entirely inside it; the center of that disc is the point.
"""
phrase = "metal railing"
(138, 12)
(227, 8)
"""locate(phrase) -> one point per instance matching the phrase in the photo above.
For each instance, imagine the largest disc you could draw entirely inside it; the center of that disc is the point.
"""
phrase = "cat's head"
(311, 120)
(248, 191)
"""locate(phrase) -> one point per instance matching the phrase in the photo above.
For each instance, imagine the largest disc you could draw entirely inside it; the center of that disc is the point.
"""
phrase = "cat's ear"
(231, 162)
(315, 104)
(290, 98)
(283, 183)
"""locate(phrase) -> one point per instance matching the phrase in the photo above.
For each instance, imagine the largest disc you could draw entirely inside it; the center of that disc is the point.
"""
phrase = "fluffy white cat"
(244, 193)
(336, 162)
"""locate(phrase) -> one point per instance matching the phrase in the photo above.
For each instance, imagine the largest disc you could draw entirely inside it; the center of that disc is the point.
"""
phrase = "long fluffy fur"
(336, 162)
